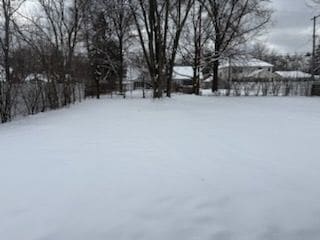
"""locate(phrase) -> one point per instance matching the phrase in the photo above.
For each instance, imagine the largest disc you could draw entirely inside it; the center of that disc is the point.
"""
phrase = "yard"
(187, 168)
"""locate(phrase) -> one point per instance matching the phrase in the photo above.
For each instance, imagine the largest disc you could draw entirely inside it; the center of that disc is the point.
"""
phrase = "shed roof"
(36, 76)
(261, 74)
(182, 72)
(244, 62)
(293, 74)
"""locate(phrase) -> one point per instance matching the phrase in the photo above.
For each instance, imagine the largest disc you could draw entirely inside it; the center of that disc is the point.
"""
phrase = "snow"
(293, 74)
(244, 62)
(191, 168)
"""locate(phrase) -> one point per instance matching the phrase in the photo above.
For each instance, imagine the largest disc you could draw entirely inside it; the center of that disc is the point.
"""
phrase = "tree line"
(69, 42)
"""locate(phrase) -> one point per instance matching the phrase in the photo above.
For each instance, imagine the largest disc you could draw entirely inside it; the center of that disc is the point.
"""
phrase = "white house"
(244, 67)
(137, 77)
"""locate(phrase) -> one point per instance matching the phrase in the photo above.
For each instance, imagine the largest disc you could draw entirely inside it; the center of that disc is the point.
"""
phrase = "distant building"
(182, 75)
(244, 67)
(36, 77)
(241, 69)
(261, 74)
(137, 78)
(293, 75)
(182, 78)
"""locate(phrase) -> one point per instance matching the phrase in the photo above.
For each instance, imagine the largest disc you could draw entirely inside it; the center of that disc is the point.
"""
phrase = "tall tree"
(159, 25)
(195, 38)
(120, 21)
(8, 9)
(234, 22)
(61, 23)
(178, 14)
(97, 51)
(103, 53)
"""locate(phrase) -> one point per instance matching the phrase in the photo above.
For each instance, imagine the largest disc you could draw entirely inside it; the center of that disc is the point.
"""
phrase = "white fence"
(267, 88)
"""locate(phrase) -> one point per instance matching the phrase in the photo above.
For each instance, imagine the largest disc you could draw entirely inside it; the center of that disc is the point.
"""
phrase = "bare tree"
(195, 38)
(103, 48)
(120, 23)
(61, 23)
(151, 19)
(179, 12)
(234, 21)
(8, 10)
(159, 24)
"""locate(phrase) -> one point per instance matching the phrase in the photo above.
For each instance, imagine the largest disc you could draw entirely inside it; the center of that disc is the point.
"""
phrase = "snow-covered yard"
(189, 168)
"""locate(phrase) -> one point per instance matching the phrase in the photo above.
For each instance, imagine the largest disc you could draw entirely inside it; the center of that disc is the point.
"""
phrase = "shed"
(293, 75)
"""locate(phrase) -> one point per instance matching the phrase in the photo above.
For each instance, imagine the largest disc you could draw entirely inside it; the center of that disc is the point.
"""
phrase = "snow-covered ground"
(189, 168)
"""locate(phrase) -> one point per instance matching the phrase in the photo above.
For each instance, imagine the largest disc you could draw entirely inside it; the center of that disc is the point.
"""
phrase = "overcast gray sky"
(292, 28)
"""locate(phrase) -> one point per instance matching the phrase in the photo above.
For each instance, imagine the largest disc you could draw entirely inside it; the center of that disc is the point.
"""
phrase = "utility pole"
(314, 37)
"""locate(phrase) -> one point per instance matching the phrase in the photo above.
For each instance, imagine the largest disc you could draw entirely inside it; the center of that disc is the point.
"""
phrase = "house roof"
(244, 62)
(261, 74)
(182, 72)
(293, 74)
(36, 76)
(208, 80)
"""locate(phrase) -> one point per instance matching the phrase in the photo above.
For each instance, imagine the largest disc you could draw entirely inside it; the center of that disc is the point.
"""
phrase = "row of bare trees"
(219, 27)
(50, 36)
(72, 41)
(8, 10)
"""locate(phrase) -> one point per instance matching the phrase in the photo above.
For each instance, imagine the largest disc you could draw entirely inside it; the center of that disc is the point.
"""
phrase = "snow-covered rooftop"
(261, 74)
(36, 77)
(293, 74)
(182, 72)
(244, 62)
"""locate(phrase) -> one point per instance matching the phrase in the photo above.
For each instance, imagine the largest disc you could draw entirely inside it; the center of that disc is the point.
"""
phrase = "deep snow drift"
(189, 168)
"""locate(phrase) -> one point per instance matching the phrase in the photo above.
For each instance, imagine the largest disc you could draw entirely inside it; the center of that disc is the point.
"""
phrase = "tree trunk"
(6, 108)
(121, 67)
(98, 88)
(215, 79)
(169, 78)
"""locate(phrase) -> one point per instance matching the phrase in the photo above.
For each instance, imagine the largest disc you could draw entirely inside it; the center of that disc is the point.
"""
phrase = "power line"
(314, 19)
